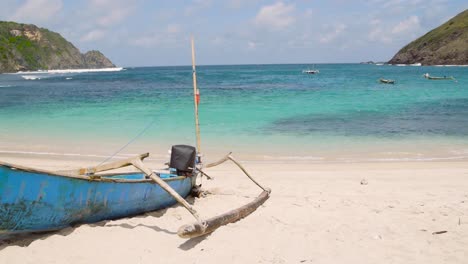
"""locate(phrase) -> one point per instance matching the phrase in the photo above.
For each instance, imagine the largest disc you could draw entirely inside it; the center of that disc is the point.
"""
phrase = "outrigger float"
(34, 200)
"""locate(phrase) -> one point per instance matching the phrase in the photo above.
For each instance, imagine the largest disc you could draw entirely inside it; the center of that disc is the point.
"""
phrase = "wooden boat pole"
(230, 157)
(195, 99)
(139, 164)
(248, 175)
(216, 163)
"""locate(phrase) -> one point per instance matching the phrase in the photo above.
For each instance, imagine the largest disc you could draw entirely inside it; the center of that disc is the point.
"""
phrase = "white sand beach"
(392, 212)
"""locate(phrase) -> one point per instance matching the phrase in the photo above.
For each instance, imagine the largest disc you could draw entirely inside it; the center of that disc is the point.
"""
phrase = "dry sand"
(317, 213)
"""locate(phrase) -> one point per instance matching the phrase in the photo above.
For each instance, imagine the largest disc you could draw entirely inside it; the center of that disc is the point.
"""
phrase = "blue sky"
(156, 33)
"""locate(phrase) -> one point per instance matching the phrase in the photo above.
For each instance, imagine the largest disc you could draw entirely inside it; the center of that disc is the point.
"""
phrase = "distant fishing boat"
(310, 71)
(427, 76)
(34, 200)
(386, 81)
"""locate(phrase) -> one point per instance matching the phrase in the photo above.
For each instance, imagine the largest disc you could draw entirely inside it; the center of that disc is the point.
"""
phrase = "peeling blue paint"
(35, 201)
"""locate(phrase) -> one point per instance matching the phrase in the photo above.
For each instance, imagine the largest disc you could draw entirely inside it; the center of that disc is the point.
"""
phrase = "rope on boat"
(129, 142)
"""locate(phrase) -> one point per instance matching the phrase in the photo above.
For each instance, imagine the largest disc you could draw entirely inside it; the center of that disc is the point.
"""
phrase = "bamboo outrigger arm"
(139, 164)
(209, 225)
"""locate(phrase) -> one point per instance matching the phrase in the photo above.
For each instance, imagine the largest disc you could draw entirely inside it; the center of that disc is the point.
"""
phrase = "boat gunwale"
(100, 178)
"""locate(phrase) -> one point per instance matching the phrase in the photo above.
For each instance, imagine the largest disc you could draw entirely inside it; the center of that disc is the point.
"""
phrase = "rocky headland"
(26, 47)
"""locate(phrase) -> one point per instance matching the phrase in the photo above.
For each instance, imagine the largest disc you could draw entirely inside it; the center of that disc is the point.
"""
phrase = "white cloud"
(377, 34)
(173, 29)
(385, 33)
(146, 41)
(93, 35)
(218, 40)
(237, 4)
(197, 6)
(308, 13)
(400, 4)
(110, 12)
(113, 17)
(409, 25)
(275, 17)
(170, 36)
(333, 34)
(37, 11)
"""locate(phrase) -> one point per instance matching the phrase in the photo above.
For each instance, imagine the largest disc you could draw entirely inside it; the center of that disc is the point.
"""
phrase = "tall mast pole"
(196, 98)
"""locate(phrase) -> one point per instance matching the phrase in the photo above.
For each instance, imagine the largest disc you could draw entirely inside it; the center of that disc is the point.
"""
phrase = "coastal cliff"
(25, 47)
(444, 45)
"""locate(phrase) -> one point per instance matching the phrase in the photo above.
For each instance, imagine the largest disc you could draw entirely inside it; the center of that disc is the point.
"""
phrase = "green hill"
(445, 45)
(26, 47)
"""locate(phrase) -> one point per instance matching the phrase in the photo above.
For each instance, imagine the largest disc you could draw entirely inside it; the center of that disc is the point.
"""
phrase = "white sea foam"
(51, 154)
(31, 77)
(451, 65)
(72, 71)
(68, 78)
(4, 86)
(404, 65)
(120, 156)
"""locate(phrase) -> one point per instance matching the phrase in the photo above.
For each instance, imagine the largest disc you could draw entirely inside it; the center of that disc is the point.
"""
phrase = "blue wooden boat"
(34, 200)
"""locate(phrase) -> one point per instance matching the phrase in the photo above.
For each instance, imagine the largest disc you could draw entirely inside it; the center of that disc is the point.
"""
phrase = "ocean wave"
(72, 71)
(451, 65)
(51, 154)
(31, 77)
(403, 65)
(5, 86)
(39, 153)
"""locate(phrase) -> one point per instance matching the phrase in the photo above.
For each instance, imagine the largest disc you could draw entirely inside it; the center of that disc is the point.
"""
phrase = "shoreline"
(293, 152)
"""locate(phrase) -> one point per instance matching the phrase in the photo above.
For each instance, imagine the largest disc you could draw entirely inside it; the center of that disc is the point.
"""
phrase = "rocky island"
(444, 45)
(26, 47)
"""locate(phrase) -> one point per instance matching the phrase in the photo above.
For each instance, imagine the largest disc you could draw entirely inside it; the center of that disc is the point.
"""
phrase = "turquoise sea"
(258, 111)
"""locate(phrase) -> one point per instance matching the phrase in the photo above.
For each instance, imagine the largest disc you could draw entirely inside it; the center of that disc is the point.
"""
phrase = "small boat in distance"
(310, 71)
(427, 76)
(386, 81)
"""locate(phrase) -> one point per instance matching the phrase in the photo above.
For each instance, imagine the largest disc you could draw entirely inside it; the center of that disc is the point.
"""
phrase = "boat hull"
(33, 201)
(387, 81)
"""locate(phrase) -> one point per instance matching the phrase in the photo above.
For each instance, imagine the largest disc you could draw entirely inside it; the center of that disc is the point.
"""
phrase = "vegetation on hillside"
(446, 44)
(27, 47)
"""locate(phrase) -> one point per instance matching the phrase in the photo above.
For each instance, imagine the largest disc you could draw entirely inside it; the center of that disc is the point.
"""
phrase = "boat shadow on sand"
(24, 240)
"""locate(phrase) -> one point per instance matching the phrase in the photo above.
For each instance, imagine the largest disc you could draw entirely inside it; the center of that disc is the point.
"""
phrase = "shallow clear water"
(264, 110)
